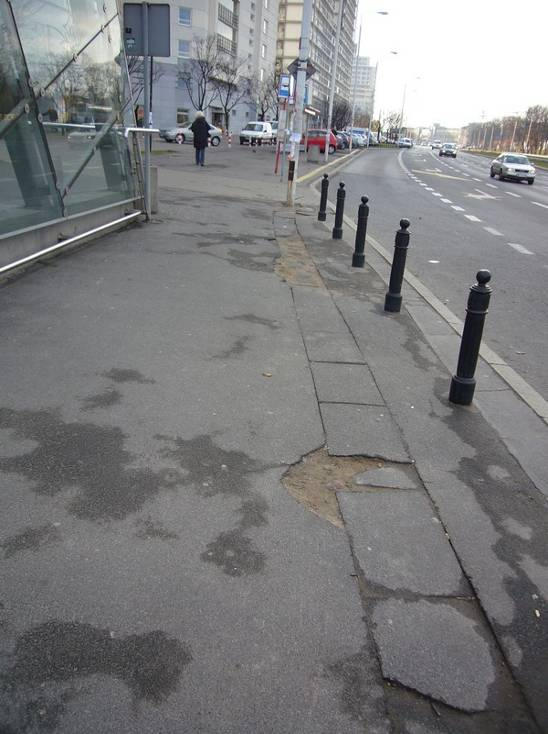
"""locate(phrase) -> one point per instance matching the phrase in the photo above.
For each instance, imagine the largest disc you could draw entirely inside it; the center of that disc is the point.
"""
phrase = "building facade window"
(263, 51)
(185, 16)
(182, 115)
(184, 49)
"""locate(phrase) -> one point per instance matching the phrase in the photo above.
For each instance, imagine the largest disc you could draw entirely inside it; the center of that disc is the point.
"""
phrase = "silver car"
(185, 135)
(515, 166)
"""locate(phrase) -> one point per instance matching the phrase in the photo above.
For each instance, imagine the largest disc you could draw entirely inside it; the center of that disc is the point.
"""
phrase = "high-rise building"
(322, 47)
(364, 77)
(244, 30)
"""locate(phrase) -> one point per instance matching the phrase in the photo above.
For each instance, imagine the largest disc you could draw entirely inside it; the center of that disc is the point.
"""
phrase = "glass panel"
(52, 32)
(82, 110)
(27, 185)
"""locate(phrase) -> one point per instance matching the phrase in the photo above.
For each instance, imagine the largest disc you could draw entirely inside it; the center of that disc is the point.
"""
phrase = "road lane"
(447, 249)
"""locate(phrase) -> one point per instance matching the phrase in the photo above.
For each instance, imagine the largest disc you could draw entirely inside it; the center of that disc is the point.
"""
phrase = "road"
(461, 221)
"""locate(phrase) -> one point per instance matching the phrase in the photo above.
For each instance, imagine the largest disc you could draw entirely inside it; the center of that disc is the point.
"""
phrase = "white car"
(185, 135)
(514, 166)
(405, 143)
(257, 132)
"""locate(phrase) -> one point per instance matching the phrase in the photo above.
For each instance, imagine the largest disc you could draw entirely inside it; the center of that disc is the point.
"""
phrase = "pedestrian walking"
(200, 128)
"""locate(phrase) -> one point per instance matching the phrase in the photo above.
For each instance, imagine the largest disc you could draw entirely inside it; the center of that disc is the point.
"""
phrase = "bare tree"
(230, 84)
(267, 95)
(392, 123)
(342, 114)
(198, 72)
(136, 69)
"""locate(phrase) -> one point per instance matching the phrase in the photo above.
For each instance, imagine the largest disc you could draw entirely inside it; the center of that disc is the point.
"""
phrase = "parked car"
(317, 137)
(185, 135)
(512, 165)
(405, 143)
(274, 125)
(449, 149)
(257, 132)
(436, 144)
(342, 141)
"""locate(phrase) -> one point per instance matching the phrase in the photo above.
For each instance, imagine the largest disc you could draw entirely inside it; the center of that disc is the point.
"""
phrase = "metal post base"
(322, 216)
(392, 302)
(462, 390)
(358, 260)
(337, 233)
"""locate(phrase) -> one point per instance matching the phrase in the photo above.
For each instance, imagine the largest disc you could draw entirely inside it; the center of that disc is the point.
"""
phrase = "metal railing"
(223, 44)
(227, 16)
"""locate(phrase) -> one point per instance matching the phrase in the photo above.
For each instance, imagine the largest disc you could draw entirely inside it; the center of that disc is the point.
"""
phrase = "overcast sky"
(473, 57)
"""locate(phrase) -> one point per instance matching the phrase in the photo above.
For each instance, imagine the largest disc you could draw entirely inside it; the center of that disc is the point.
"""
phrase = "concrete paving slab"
(400, 543)
(387, 476)
(345, 383)
(437, 649)
(328, 346)
(362, 430)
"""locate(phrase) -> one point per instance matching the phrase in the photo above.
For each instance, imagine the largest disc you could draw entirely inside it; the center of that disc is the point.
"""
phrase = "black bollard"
(358, 258)
(323, 198)
(463, 383)
(339, 212)
(392, 301)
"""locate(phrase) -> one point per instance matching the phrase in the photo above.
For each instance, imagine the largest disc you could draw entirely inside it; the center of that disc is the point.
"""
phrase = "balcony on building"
(227, 16)
(225, 45)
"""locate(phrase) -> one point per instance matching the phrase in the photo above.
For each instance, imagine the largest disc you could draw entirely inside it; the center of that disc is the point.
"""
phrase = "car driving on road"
(514, 166)
(449, 149)
(436, 144)
(405, 143)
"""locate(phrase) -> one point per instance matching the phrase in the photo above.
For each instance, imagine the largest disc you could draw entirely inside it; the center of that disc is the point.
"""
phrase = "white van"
(256, 132)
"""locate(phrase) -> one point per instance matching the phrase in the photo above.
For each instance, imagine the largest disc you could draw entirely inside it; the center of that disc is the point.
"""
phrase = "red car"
(317, 137)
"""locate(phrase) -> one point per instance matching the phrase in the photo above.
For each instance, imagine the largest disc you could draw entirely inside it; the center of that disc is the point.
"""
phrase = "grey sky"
(473, 57)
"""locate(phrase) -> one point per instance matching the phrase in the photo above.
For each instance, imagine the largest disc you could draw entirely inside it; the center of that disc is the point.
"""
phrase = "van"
(256, 132)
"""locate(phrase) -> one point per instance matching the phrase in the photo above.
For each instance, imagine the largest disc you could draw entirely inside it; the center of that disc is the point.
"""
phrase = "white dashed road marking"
(465, 174)
(446, 201)
(476, 179)
(493, 231)
(511, 193)
(435, 193)
(520, 248)
(537, 203)
(457, 208)
(491, 186)
(429, 188)
(472, 217)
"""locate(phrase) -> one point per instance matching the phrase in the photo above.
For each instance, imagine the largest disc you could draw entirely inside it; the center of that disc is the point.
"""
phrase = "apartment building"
(364, 77)
(322, 47)
(244, 29)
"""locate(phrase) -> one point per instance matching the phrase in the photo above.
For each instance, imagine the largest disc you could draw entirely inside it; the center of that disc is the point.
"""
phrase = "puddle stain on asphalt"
(237, 348)
(148, 529)
(110, 396)
(127, 375)
(215, 471)
(84, 456)
(30, 539)
(149, 664)
(252, 319)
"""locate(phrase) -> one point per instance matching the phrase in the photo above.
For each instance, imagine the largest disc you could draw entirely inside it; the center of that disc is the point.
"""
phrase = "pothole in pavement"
(316, 479)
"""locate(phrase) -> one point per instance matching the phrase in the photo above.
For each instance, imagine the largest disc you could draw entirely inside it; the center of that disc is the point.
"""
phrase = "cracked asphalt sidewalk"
(235, 498)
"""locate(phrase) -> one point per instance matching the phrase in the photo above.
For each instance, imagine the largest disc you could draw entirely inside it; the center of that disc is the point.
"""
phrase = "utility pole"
(402, 108)
(333, 81)
(528, 133)
(304, 52)
(355, 85)
(513, 134)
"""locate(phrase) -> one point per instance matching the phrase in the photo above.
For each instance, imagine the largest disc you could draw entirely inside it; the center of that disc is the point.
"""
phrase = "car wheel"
(531, 181)
(180, 138)
(492, 173)
(241, 141)
(332, 149)
(215, 140)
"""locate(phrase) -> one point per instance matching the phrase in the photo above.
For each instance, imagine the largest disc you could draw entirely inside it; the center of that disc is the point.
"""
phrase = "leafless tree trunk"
(230, 84)
(198, 72)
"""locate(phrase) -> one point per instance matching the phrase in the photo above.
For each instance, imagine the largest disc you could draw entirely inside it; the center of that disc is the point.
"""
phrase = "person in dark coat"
(200, 127)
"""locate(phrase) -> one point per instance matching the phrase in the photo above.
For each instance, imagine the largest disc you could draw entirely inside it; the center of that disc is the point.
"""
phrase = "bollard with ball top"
(339, 213)
(358, 258)
(463, 383)
(392, 301)
(323, 198)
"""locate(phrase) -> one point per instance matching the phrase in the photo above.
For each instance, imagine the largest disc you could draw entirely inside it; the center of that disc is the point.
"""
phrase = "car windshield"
(449, 145)
(523, 160)
(253, 126)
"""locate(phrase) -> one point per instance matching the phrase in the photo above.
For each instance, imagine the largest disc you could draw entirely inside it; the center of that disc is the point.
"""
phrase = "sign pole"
(304, 52)
(146, 121)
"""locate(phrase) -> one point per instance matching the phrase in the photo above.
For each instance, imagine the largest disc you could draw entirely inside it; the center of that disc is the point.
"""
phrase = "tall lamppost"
(403, 104)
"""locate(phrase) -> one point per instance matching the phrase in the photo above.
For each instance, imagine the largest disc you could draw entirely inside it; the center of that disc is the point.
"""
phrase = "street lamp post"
(333, 81)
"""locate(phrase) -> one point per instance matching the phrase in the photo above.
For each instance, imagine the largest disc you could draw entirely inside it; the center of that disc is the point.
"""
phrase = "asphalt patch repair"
(316, 479)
